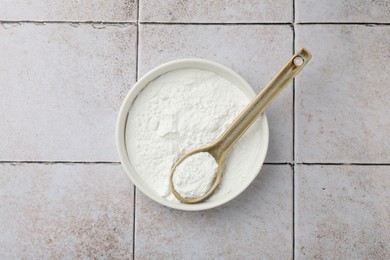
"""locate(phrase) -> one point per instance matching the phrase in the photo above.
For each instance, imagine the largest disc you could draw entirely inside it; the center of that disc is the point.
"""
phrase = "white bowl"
(219, 69)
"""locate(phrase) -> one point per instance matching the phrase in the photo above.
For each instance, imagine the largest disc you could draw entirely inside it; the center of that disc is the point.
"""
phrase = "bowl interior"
(143, 82)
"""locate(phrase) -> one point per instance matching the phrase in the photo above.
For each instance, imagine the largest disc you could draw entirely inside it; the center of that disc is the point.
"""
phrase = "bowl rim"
(137, 88)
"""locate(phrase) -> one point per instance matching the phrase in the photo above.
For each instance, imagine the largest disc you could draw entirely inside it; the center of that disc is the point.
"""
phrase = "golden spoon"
(247, 117)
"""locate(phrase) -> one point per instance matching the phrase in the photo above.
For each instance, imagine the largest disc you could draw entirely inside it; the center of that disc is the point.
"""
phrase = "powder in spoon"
(193, 176)
(183, 110)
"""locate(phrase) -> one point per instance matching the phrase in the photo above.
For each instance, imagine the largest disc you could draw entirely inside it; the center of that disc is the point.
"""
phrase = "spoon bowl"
(215, 151)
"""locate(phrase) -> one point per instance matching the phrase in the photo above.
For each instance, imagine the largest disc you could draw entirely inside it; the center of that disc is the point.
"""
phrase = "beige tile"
(342, 212)
(257, 224)
(216, 11)
(256, 52)
(342, 97)
(73, 10)
(62, 87)
(342, 11)
(65, 211)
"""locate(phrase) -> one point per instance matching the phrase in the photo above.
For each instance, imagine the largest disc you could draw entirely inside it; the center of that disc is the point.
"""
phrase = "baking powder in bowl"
(183, 110)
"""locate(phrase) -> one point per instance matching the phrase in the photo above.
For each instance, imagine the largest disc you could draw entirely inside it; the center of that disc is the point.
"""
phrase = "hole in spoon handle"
(298, 61)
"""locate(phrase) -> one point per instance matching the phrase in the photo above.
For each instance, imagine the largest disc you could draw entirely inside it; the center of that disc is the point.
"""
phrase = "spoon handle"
(254, 109)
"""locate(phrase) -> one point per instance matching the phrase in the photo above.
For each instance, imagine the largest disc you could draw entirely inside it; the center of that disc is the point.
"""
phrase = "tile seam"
(211, 23)
(59, 162)
(99, 162)
(343, 164)
(265, 163)
(136, 76)
(135, 22)
(293, 141)
(66, 22)
(343, 23)
(188, 23)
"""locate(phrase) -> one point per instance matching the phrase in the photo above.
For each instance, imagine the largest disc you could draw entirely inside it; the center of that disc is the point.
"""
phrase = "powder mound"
(194, 176)
(179, 112)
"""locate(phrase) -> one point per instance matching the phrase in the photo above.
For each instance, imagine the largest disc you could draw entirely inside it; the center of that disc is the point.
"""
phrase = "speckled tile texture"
(257, 224)
(225, 44)
(342, 212)
(71, 10)
(343, 99)
(66, 67)
(372, 11)
(62, 87)
(216, 11)
(65, 211)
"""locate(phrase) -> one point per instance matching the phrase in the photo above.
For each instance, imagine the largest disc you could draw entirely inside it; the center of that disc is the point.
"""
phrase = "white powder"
(183, 110)
(193, 176)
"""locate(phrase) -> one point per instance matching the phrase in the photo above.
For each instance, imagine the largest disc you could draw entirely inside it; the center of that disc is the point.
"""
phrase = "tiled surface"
(65, 211)
(72, 10)
(66, 69)
(198, 11)
(342, 212)
(226, 44)
(257, 224)
(343, 11)
(343, 99)
(61, 87)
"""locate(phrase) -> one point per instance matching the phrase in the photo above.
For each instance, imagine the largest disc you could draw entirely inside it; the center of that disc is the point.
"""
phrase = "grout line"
(342, 23)
(136, 77)
(293, 7)
(99, 162)
(293, 155)
(134, 207)
(67, 22)
(293, 143)
(265, 163)
(137, 46)
(201, 23)
(277, 163)
(58, 162)
(189, 23)
(346, 164)
(293, 210)
(293, 100)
